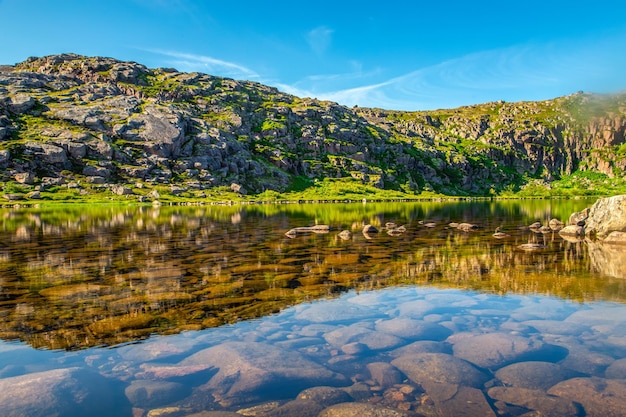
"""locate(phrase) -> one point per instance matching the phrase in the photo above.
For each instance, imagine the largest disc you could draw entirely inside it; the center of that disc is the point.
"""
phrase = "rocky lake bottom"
(398, 352)
(432, 322)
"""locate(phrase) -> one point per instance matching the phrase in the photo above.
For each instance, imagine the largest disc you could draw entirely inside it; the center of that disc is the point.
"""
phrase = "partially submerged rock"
(319, 228)
(607, 215)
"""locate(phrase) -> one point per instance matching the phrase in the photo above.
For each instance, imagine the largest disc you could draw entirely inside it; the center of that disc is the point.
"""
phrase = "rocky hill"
(92, 124)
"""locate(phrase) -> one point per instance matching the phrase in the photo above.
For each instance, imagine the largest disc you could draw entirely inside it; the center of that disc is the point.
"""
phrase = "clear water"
(181, 311)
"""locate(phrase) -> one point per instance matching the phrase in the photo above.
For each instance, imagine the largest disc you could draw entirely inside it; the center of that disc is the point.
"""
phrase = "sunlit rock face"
(64, 114)
(607, 215)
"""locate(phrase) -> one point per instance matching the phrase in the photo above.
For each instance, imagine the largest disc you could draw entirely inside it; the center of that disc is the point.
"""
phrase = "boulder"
(607, 215)
(440, 368)
(535, 400)
(146, 393)
(247, 372)
(494, 350)
(411, 329)
(532, 375)
(579, 218)
(61, 392)
(361, 410)
(572, 230)
(599, 397)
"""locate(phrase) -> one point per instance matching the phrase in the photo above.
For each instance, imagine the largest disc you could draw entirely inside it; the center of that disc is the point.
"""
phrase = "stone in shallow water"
(533, 375)
(587, 362)
(617, 370)
(249, 371)
(384, 374)
(362, 410)
(466, 402)
(599, 397)
(413, 329)
(360, 333)
(325, 396)
(536, 400)
(558, 327)
(440, 368)
(145, 393)
(422, 346)
(298, 407)
(61, 392)
(334, 312)
(494, 350)
(415, 309)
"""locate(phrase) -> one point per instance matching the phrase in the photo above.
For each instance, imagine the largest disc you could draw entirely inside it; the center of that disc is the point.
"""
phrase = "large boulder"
(248, 372)
(60, 392)
(607, 215)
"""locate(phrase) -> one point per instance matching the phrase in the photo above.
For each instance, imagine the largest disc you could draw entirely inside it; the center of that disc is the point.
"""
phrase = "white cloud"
(202, 63)
(521, 72)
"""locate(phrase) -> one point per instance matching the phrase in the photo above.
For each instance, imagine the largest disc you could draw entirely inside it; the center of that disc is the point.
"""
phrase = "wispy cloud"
(521, 72)
(319, 39)
(202, 63)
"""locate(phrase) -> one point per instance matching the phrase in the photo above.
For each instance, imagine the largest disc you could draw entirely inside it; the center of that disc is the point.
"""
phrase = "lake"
(215, 311)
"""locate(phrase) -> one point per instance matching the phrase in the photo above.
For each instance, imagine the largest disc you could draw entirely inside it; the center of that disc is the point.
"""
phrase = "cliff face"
(68, 119)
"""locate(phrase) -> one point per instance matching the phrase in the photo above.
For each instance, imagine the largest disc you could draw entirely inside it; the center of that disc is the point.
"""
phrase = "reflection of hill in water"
(78, 279)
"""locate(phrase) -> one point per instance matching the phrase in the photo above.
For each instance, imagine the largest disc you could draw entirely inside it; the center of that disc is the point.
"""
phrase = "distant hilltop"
(87, 125)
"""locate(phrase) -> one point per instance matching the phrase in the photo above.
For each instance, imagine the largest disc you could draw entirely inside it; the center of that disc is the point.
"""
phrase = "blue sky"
(404, 55)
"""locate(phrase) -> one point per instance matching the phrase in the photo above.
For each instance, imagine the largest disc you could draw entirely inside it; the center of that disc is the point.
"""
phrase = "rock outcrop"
(98, 121)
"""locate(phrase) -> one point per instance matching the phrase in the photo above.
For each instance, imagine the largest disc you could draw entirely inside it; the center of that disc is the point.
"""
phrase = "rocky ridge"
(93, 123)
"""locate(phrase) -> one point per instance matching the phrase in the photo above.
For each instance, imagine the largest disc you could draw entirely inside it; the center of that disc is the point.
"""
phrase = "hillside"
(72, 127)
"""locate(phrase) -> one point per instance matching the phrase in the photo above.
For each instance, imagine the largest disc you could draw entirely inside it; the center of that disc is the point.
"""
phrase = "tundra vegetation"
(75, 128)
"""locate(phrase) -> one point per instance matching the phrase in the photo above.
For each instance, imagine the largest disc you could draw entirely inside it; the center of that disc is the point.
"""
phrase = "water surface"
(181, 310)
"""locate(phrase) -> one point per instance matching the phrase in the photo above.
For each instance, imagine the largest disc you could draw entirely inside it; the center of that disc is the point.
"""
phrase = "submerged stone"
(494, 350)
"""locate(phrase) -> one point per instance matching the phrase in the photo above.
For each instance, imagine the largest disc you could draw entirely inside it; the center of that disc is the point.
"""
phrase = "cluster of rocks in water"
(410, 352)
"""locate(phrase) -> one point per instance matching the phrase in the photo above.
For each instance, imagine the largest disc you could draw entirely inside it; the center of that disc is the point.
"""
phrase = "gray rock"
(578, 218)
(439, 368)
(148, 394)
(425, 346)
(358, 333)
(607, 215)
(584, 361)
(599, 397)
(494, 350)
(246, 371)
(533, 375)
(617, 370)
(558, 327)
(335, 312)
(536, 400)
(298, 407)
(325, 396)
(60, 392)
(572, 230)
(384, 375)
(460, 401)
(25, 177)
(120, 189)
(361, 410)
(410, 329)
(368, 229)
(21, 103)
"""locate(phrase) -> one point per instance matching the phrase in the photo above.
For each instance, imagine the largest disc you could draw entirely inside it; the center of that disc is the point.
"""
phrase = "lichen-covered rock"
(607, 215)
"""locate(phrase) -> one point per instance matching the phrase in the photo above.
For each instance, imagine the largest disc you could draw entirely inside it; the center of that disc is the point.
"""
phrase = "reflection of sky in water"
(509, 344)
